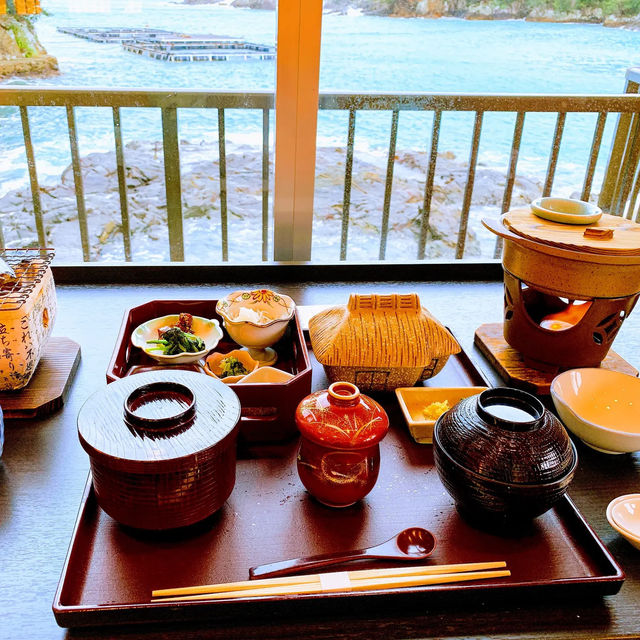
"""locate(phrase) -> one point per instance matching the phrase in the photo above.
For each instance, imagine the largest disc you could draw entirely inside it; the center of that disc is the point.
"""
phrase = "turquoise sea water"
(359, 53)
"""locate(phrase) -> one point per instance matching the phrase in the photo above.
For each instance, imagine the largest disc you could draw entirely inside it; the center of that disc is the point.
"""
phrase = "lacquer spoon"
(413, 543)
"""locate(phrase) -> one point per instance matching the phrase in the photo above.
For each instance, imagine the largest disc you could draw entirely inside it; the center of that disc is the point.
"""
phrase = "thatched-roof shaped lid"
(379, 331)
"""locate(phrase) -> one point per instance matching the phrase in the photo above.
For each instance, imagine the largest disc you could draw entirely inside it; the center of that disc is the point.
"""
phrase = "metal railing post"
(173, 189)
(33, 177)
(122, 184)
(78, 184)
(619, 148)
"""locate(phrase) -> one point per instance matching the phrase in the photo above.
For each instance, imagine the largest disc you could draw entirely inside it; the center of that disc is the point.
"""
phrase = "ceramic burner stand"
(585, 344)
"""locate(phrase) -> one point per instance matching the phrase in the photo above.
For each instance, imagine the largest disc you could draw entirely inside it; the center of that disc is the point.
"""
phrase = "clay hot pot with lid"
(502, 456)
(162, 446)
(551, 270)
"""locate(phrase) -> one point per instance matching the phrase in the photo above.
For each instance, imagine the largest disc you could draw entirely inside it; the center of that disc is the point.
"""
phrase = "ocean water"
(359, 53)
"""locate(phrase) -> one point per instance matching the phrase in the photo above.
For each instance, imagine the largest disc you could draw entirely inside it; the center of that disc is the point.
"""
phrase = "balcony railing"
(621, 185)
(618, 194)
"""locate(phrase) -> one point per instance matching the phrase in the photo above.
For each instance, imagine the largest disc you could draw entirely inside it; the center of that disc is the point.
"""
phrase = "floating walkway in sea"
(181, 48)
(172, 46)
(113, 35)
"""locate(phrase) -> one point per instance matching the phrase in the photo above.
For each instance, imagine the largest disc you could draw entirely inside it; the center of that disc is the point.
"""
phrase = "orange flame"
(566, 318)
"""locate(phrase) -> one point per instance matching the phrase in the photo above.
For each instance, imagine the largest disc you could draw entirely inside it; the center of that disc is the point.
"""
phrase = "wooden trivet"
(48, 388)
(511, 367)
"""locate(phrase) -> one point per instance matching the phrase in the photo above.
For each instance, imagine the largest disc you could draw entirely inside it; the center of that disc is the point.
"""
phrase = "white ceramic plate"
(208, 330)
(566, 210)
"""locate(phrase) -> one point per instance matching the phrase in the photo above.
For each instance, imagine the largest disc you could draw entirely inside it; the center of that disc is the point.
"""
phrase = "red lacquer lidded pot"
(339, 456)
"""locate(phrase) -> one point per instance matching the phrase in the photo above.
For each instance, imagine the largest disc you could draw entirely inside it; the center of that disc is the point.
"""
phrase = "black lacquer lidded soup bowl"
(503, 457)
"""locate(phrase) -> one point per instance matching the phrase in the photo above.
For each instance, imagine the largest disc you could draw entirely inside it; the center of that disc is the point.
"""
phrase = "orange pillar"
(20, 6)
(3, 6)
(30, 7)
(297, 72)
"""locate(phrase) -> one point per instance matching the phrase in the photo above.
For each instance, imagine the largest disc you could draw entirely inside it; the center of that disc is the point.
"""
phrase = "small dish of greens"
(230, 367)
(174, 341)
(178, 338)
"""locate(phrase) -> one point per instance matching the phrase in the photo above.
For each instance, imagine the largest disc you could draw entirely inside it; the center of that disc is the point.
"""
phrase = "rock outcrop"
(201, 205)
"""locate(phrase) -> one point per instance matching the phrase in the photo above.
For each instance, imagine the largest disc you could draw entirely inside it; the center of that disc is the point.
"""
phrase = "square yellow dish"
(414, 401)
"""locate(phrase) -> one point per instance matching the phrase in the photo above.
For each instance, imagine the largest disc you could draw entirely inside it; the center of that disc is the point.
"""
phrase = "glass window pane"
(222, 54)
(380, 205)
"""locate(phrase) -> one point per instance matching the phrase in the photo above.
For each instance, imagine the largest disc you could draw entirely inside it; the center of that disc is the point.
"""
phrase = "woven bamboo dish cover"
(625, 240)
(380, 342)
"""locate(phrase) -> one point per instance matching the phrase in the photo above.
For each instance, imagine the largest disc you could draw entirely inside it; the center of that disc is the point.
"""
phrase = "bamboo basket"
(380, 342)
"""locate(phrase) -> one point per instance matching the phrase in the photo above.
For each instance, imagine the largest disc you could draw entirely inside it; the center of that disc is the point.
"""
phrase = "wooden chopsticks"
(364, 580)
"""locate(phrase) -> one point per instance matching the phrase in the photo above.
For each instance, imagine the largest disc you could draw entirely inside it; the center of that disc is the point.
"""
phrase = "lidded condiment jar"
(162, 446)
(502, 456)
(339, 455)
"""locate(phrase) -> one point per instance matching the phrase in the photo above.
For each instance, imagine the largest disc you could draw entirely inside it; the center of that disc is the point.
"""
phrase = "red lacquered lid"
(341, 417)
(158, 421)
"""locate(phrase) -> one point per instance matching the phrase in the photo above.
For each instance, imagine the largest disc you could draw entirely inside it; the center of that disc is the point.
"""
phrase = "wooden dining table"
(43, 471)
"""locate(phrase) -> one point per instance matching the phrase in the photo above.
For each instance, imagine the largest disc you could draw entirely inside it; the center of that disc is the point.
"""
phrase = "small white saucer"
(566, 210)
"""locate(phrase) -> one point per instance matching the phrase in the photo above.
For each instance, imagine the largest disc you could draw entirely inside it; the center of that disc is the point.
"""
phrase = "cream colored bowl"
(256, 320)
(624, 512)
(601, 407)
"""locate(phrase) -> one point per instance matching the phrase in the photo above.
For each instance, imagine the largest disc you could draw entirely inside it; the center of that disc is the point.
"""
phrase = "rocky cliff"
(20, 50)
(565, 11)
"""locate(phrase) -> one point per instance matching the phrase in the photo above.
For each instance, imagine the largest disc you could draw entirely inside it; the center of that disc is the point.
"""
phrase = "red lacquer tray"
(110, 571)
(267, 409)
